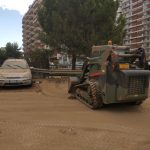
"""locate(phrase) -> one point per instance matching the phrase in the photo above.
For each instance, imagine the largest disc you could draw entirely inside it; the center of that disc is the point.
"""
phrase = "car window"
(15, 65)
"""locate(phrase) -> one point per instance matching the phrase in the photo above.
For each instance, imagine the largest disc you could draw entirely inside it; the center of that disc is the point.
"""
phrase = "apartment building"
(137, 14)
(31, 29)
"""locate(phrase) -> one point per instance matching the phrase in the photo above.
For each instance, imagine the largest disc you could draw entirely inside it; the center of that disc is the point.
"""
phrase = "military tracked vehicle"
(113, 74)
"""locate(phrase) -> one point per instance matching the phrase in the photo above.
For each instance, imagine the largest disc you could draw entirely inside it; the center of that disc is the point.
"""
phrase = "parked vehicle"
(113, 74)
(15, 72)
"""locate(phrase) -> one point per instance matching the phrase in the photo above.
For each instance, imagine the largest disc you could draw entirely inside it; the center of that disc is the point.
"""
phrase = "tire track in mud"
(67, 125)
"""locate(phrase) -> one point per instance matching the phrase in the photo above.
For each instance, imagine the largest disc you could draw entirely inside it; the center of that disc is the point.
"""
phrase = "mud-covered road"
(43, 118)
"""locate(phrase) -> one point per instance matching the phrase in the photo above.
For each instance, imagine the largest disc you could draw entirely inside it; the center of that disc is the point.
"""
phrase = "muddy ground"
(43, 118)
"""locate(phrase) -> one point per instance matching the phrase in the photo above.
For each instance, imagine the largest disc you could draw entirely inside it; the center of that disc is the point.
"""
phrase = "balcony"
(138, 25)
(139, 13)
(146, 16)
(136, 20)
(136, 43)
(137, 37)
(146, 41)
(137, 31)
(134, 3)
(31, 44)
(31, 27)
(146, 2)
(146, 9)
(146, 28)
(126, 38)
(127, 43)
(138, 7)
(147, 35)
(145, 22)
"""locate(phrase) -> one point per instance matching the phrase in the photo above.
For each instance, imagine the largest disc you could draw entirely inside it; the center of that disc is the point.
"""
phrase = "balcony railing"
(135, 43)
(138, 7)
(132, 26)
(134, 3)
(137, 37)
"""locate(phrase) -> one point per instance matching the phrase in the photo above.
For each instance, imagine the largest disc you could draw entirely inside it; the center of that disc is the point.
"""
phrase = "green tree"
(2, 55)
(38, 58)
(77, 24)
(118, 30)
(12, 50)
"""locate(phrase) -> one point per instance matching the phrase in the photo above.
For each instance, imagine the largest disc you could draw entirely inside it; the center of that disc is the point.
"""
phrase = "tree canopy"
(38, 58)
(78, 24)
(10, 51)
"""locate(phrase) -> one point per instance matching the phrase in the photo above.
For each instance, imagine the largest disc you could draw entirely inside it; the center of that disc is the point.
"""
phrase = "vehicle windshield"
(15, 65)
(120, 58)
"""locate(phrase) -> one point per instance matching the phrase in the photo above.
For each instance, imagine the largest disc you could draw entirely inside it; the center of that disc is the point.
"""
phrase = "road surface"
(44, 118)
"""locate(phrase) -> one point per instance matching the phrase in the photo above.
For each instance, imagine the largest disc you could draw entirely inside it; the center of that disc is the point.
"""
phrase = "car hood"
(15, 72)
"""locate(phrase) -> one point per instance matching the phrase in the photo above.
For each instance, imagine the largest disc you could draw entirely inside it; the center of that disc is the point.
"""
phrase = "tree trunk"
(73, 61)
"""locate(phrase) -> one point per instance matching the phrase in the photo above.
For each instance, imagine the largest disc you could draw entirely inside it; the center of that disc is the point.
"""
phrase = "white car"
(15, 72)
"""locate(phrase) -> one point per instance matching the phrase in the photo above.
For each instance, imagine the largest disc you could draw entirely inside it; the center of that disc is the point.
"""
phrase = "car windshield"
(15, 65)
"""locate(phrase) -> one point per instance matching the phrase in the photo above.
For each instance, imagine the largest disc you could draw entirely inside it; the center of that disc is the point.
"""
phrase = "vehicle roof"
(12, 59)
(108, 47)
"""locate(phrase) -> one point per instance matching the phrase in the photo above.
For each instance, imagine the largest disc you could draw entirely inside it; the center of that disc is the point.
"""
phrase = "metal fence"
(68, 67)
(42, 73)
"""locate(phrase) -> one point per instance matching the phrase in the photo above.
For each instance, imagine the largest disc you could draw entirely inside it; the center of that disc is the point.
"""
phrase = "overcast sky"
(11, 13)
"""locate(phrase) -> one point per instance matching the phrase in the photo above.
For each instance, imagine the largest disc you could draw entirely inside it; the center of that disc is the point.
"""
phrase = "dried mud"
(44, 118)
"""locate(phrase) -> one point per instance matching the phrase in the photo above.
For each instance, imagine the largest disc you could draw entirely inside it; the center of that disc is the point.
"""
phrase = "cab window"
(94, 68)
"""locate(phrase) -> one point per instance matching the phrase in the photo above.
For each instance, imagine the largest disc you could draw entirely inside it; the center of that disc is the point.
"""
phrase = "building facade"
(31, 29)
(137, 14)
